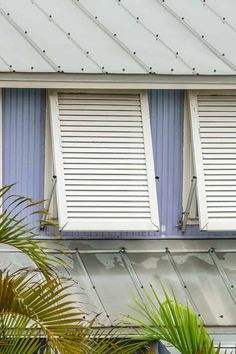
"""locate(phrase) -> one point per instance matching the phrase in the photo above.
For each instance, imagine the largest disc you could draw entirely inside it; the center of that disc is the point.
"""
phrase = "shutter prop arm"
(44, 219)
(185, 214)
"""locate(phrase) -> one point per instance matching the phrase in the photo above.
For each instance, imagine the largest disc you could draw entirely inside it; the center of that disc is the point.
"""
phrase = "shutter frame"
(123, 224)
(55, 136)
(206, 220)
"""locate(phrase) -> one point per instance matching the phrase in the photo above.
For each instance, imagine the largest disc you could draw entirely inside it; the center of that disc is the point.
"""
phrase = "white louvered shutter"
(103, 161)
(213, 120)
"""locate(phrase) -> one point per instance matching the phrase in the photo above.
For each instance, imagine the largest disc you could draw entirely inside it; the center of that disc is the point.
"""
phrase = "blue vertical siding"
(166, 113)
(23, 156)
(23, 141)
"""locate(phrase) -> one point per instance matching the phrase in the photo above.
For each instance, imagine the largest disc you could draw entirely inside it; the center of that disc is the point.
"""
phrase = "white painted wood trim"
(149, 159)
(198, 161)
(215, 225)
(48, 167)
(57, 158)
(111, 226)
(188, 168)
(116, 81)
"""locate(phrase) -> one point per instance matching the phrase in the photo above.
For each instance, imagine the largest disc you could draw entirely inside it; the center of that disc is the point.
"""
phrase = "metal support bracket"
(185, 215)
(46, 209)
(93, 288)
(224, 277)
(133, 275)
(183, 284)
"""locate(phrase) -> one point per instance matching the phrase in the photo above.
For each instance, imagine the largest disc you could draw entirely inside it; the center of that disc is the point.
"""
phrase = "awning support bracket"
(183, 284)
(132, 273)
(185, 215)
(91, 283)
(44, 219)
(229, 286)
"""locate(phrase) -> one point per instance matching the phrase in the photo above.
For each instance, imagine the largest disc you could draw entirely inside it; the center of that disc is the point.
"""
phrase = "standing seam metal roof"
(184, 37)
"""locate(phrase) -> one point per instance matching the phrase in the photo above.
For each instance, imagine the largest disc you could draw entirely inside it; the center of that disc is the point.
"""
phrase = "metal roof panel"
(118, 36)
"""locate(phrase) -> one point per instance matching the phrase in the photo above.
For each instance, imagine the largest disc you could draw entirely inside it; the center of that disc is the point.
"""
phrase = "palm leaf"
(31, 308)
(16, 231)
(172, 322)
(38, 314)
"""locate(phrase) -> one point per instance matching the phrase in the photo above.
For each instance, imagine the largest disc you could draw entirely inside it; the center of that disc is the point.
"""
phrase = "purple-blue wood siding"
(23, 156)
(23, 141)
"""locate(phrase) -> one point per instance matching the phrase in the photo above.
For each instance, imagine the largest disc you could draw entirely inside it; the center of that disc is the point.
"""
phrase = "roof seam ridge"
(86, 53)
(111, 35)
(197, 35)
(223, 19)
(177, 56)
(28, 39)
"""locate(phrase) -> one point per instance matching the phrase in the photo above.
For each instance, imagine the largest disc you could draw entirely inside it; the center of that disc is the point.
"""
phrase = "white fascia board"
(115, 81)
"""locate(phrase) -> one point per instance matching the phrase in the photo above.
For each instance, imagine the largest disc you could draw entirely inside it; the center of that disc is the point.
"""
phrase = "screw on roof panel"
(156, 36)
(75, 43)
(106, 30)
(198, 36)
(28, 39)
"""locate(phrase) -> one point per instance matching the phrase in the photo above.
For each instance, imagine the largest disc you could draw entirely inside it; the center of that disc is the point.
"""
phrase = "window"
(102, 157)
(213, 125)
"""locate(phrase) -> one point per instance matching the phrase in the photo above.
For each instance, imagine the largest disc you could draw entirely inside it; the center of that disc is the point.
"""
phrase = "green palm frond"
(172, 322)
(33, 309)
(36, 312)
(16, 231)
(38, 315)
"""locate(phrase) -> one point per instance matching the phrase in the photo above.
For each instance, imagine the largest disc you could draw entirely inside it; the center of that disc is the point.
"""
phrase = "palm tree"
(16, 231)
(172, 322)
(36, 310)
(39, 314)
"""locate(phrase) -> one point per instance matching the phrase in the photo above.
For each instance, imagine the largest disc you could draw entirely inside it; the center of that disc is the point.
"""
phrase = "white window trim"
(188, 166)
(56, 205)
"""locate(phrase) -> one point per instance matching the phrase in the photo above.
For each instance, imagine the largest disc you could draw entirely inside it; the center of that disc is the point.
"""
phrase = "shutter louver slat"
(103, 162)
(213, 120)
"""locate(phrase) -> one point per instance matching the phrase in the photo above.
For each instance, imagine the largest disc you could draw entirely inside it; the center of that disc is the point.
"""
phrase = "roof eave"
(115, 81)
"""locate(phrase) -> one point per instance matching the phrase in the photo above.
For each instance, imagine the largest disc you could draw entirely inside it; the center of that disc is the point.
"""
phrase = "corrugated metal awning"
(105, 280)
(118, 36)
